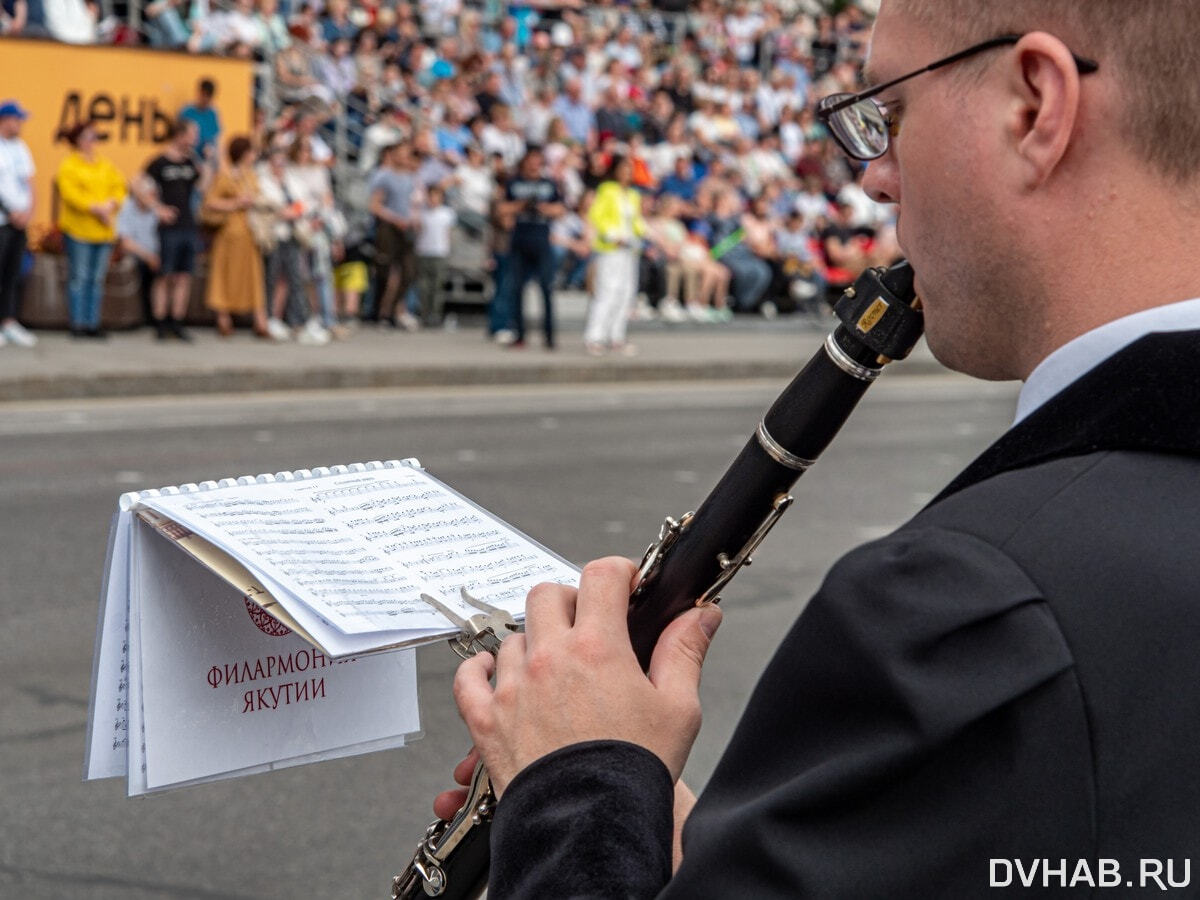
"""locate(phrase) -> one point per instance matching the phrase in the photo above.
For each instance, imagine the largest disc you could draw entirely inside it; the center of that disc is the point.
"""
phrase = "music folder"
(267, 621)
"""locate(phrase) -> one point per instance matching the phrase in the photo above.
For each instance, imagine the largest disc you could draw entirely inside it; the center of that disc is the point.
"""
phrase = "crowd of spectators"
(396, 141)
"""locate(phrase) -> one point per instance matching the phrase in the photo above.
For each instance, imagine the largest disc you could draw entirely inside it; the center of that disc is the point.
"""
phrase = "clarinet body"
(697, 555)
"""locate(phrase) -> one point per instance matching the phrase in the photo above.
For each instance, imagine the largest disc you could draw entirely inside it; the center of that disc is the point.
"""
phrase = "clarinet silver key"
(482, 631)
(426, 874)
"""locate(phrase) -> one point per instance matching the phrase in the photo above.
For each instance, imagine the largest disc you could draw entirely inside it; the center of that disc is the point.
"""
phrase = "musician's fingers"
(603, 599)
(510, 660)
(549, 611)
(465, 769)
(680, 651)
(447, 803)
(472, 689)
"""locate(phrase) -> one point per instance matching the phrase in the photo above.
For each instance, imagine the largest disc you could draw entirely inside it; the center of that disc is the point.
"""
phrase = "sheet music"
(108, 712)
(135, 780)
(358, 549)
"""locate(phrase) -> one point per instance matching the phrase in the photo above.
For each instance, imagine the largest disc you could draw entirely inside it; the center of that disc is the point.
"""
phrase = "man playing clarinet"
(1011, 675)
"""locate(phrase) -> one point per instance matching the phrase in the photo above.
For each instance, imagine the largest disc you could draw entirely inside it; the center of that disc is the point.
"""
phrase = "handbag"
(213, 219)
(304, 231)
(262, 227)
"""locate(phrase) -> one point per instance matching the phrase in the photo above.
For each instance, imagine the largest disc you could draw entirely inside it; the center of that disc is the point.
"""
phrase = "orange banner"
(130, 93)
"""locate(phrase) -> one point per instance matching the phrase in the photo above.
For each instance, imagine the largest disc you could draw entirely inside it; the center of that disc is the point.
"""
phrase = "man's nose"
(881, 180)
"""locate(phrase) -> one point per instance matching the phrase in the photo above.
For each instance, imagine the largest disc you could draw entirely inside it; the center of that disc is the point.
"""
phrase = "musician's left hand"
(447, 803)
(573, 676)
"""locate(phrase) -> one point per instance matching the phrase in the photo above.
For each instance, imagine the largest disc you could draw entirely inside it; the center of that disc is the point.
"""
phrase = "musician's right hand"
(573, 677)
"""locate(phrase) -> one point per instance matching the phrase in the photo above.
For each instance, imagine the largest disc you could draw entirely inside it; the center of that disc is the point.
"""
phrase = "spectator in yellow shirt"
(90, 193)
(616, 219)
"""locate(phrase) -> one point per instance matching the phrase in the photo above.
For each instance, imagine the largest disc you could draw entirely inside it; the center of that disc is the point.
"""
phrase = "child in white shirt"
(434, 232)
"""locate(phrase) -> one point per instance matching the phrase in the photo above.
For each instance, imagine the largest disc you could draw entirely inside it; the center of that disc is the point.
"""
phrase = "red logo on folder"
(264, 621)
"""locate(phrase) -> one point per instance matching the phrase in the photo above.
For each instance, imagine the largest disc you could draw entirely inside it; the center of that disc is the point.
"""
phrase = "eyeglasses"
(863, 127)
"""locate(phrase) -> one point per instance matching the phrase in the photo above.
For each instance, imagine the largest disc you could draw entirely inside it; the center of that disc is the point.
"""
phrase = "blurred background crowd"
(407, 159)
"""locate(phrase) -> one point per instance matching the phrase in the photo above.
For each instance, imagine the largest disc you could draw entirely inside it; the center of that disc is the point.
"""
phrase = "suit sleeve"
(590, 820)
(922, 718)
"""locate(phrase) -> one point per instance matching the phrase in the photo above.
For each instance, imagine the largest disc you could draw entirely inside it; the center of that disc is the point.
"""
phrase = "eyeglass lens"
(860, 128)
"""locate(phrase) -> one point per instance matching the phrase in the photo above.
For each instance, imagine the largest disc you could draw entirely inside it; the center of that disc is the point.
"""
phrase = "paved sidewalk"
(135, 364)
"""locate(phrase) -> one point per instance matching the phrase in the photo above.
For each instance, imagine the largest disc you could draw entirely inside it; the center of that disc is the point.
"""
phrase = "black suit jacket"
(1010, 675)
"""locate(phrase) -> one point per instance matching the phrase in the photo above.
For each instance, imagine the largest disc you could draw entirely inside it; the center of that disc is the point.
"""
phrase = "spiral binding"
(131, 499)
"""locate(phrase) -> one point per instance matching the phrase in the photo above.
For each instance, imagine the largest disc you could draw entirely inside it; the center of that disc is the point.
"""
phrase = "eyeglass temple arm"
(1084, 66)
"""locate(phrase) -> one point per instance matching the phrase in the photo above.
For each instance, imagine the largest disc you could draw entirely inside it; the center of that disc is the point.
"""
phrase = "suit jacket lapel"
(1145, 397)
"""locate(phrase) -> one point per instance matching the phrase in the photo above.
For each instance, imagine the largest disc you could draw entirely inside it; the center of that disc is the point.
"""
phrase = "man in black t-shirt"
(533, 200)
(178, 174)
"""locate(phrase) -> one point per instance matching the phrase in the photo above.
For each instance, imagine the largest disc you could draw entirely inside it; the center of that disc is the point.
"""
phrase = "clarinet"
(696, 555)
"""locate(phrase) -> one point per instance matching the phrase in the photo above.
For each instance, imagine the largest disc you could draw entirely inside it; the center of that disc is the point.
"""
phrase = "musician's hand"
(447, 803)
(573, 676)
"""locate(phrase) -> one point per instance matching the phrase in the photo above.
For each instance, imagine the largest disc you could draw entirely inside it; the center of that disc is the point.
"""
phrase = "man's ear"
(1044, 84)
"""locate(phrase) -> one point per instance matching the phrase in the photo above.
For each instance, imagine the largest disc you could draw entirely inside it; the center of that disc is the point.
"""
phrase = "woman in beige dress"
(235, 272)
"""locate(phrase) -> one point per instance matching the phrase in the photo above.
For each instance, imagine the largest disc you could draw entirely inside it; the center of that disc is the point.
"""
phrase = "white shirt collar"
(1076, 357)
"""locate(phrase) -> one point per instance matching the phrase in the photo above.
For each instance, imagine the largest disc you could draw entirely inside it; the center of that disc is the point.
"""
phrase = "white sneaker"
(671, 310)
(313, 334)
(698, 313)
(408, 321)
(768, 310)
(15, 333)
(3, 339)
(278, 331)
(505, 338)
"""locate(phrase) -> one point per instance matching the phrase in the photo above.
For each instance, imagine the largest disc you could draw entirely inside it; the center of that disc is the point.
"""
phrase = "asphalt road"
(588, 470)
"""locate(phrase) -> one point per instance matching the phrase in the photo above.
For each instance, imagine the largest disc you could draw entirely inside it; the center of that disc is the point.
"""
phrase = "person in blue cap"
(16, 209)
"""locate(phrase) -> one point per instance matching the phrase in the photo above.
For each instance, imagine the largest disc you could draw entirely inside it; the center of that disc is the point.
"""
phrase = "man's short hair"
(1150, 47)
(208, 87)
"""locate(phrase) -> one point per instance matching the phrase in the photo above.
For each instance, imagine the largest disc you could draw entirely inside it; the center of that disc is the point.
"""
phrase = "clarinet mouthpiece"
(899, 279)
(878, 313)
